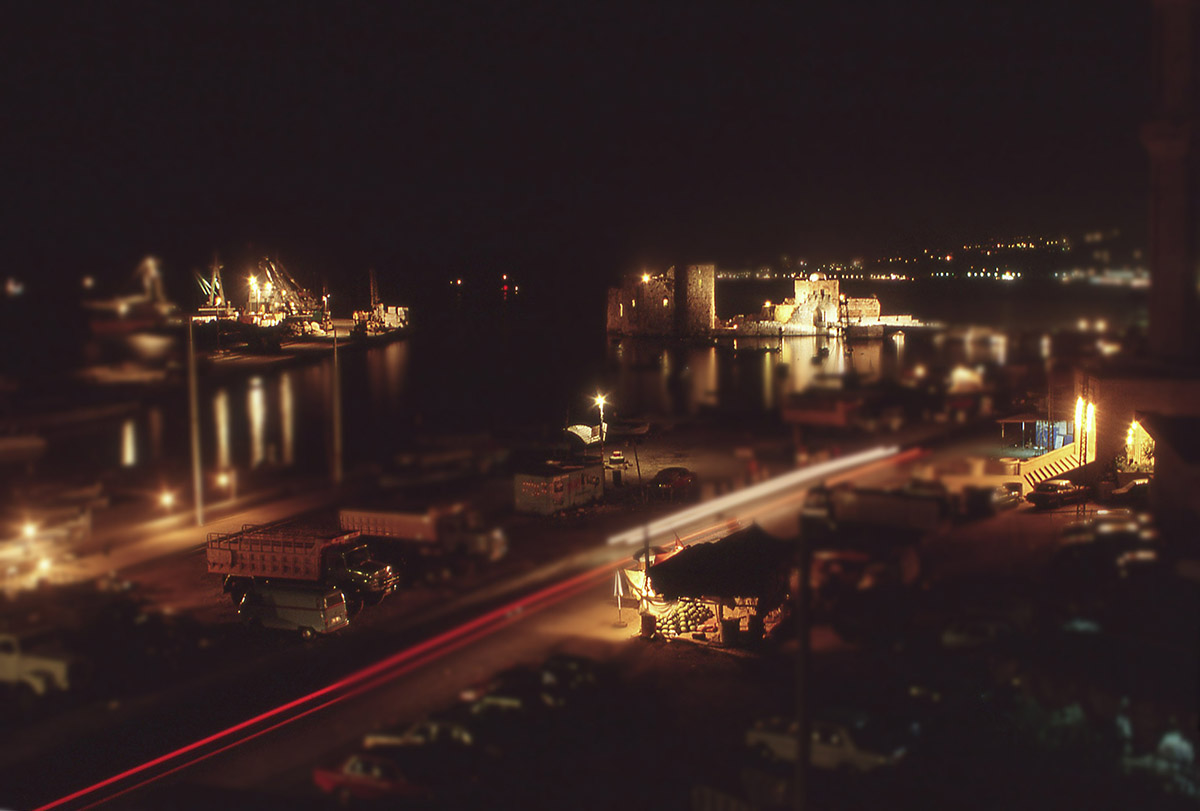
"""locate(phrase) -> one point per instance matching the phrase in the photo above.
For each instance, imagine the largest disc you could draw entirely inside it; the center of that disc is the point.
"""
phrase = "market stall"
(729, 586)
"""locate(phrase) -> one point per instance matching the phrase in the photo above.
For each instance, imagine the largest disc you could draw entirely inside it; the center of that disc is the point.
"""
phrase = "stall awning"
(1023, 418)
(748, 563)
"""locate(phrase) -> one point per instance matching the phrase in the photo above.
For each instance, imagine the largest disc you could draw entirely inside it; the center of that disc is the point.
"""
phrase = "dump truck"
(438, 531)
(286, 553)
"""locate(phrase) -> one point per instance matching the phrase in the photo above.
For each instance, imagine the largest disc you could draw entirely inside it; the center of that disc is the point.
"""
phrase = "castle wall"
(700, 300)
(643, 307)
(858, 309)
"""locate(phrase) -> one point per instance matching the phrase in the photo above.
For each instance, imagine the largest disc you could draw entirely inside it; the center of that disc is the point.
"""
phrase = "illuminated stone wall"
(859, 309)
(643, 306)
(700, 297)
(816, 303)
(648, 304)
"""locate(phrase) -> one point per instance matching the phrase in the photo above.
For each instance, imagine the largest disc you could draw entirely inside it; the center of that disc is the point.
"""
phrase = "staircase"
(1053, 464)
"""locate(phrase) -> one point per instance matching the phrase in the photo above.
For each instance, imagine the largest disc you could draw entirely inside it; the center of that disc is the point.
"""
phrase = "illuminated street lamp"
(600, 403)
(29, 530)
(166, 499)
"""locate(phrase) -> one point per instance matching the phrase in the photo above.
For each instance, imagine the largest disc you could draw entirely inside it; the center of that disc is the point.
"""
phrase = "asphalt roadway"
(100, 744)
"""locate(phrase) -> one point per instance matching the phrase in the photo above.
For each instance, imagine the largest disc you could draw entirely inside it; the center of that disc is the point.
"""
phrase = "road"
(274, 767)
(781, 510)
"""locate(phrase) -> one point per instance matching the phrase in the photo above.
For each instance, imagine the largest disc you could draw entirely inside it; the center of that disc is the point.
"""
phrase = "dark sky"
(433, 139)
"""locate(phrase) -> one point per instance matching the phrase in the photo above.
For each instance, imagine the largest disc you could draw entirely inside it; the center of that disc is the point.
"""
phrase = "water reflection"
(287, 418)
(128, 443)
(760, 373)
(257, 408)
(221, 417)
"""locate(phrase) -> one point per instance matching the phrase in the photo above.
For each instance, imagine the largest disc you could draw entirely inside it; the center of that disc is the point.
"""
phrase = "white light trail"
(718, 507)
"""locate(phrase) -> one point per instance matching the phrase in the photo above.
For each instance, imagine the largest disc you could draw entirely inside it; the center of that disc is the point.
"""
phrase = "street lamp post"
(194, 428)
(337, 414)
(600, 403)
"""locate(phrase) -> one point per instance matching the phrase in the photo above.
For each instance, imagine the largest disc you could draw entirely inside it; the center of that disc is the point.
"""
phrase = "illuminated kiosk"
(553, 486)
(742, 577)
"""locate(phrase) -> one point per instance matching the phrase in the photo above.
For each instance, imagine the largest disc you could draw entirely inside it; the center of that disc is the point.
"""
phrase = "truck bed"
(416, 527)
(271, 552)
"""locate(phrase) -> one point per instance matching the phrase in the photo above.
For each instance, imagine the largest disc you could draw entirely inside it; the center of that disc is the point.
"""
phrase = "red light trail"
(400, 663)
(359, 682)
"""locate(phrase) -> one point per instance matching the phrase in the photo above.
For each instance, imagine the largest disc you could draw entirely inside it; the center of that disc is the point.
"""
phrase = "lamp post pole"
(337, 414)
(803, 739)
(600, 401)
(194, 427)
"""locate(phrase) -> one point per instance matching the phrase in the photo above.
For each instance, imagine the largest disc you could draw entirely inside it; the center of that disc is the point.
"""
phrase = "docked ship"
(277, 300)
(381, 322)
(147, 311)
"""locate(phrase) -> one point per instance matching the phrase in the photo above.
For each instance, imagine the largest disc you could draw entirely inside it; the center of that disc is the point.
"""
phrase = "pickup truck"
(34, 664)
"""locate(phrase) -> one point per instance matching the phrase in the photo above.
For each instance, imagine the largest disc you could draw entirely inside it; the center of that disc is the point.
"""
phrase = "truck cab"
(354, 569)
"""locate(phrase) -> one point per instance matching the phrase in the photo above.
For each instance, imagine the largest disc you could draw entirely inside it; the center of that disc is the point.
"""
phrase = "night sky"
(559, 141)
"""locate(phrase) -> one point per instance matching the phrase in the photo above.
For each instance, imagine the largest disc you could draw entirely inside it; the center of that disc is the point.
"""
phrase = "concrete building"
(666, 304)
(1160, 392)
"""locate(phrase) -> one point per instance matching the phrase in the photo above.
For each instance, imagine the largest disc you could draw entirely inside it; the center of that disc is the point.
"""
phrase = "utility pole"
(803, 736)
(641, 489)
(337, 414)
(194, 427)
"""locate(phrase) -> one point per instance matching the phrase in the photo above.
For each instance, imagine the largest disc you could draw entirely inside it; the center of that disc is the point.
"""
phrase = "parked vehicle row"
(446, 755)
(840, 740)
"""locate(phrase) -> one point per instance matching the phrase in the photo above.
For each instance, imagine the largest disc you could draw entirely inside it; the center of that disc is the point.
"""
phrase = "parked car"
(1133, 494)
(974, 633)
(516, 688)
(617, 459)
(850, 741)
(566, 672)
(438, 733)
(675, 483)
(1056, 493)
(364, 776)
(1006, 497)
